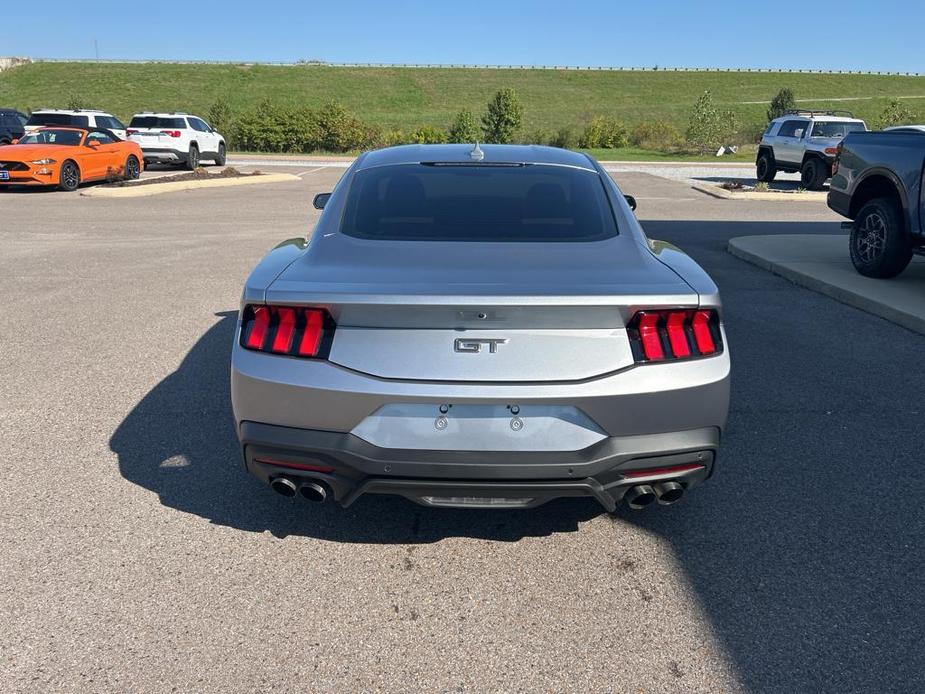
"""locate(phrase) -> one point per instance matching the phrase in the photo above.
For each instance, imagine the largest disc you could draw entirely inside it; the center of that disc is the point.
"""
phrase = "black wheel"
(880, 246)
(192, 161)
(813, 174)
(132, 169)
(70, 176)
(220, 158)
(766, 170)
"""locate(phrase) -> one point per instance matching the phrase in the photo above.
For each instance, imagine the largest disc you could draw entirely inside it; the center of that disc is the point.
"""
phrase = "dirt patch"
(199, 174)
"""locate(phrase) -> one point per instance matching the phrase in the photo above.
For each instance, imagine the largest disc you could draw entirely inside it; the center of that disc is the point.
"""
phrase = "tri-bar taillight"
(297, 331)
(670, 335)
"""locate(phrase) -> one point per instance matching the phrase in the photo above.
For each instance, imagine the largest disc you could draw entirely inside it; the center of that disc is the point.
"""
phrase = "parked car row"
(64, 147)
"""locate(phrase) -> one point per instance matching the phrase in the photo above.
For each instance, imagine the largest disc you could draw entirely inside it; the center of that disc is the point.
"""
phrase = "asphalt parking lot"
(138, 556)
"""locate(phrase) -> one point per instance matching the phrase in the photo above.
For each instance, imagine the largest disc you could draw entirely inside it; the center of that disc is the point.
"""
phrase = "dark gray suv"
(12, 125)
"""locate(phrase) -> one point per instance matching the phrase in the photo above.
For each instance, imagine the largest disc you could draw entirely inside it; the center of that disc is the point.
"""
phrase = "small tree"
(896, 113)
(75, 102)
(781, 103)
(504, 117)
(464, 128)
(221, 119)
(709, 127)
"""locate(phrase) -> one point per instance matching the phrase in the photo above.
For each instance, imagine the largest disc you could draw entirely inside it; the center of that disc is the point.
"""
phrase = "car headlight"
(42, 162)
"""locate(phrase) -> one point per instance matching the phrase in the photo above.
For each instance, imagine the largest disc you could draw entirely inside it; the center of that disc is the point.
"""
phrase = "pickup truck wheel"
(880, 246)
(765, 169)
(813, 174)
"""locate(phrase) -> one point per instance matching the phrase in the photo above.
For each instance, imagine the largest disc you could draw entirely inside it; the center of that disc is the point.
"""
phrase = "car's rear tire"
(132, 168)
(879, 244)
(69, 178)
(765, 169)
(221, 157)
(813, 173)
(192, 160)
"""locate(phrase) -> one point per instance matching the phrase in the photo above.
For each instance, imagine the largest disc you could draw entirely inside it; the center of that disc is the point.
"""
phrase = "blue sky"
(827, 34)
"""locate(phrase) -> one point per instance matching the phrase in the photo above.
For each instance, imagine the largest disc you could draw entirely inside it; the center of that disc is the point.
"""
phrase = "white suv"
(176, 138)
(81, 118)
(804, 141)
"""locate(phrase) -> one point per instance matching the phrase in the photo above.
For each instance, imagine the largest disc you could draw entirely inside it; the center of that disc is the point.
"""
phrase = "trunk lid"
(491, 312)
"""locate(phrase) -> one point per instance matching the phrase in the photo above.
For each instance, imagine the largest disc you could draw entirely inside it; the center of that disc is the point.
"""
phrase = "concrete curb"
(900, 300)
(724, 194)
(139, 191)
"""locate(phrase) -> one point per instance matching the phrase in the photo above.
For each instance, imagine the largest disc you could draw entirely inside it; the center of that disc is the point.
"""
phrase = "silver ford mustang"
(480, 327)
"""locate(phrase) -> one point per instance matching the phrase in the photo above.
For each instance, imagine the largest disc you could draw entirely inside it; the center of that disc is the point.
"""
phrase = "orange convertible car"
(66, 157)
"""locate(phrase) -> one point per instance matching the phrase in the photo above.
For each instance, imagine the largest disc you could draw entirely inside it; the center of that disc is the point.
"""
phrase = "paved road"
(138, 556)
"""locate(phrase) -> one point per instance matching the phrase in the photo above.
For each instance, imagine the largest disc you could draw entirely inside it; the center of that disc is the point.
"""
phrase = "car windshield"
(478, 202)
(57, 119)
(156, 122)
(52, 137)
(827, 128)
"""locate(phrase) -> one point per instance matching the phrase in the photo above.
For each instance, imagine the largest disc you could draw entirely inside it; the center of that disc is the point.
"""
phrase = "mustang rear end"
(483, 327)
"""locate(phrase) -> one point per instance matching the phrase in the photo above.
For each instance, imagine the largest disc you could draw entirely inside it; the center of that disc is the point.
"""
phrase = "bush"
(604, 132)
(781, 103)
(537, 136)
(657, 135)
(464, 129)
(895, 113)
(428, 135)
(504, 117)
(391, 138)
(709, 128)
(339, 131)
(221, 119)
(566, 138)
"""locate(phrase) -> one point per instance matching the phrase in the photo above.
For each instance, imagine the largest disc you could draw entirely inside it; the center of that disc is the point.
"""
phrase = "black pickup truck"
(877, 183)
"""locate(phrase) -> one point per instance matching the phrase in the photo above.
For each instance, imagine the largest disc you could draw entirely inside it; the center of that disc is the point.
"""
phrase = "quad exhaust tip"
(283, 486)
(312, 491)
(668, 492)
(640, 496)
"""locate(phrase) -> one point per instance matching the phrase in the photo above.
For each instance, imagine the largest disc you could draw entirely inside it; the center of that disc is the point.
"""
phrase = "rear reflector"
(290, 330)
(294, 466)
(653, 471)
(670, 335)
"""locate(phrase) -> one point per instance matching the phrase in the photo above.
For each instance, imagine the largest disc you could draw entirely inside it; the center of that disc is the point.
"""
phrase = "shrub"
(781, 103)
(339, 130)
(221, 118)
(657, 135)
(503, 118)
(566, 138)
(604, 132)
(391, 138)
(709, 128)
(464, 128)
(428, 135)
(895, 113)
(537, 136)
(75, 102)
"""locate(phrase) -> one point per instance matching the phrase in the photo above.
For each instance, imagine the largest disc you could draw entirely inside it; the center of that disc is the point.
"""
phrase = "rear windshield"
(157, 122)
(825, 128)
(57, 119)
(478, 202)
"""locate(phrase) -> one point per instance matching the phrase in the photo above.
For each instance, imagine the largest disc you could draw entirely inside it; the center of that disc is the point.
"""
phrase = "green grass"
(746, 153)
(407, 98)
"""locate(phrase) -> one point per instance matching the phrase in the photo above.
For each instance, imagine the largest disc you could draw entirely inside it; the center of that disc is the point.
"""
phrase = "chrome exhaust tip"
(668, 492)
(640, 496)
(314, 492)
(283, 486)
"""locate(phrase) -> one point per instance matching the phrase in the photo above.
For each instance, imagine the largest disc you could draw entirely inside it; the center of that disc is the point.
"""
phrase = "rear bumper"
(161, 154)
(839, 202)
(351, 467)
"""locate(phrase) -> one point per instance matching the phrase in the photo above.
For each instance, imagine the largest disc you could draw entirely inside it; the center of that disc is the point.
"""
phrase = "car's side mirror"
(631, 201)
(93, 143)
(321, 200)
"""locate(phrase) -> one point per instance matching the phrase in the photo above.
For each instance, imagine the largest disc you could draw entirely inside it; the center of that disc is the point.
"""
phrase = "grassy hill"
(407, 98)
